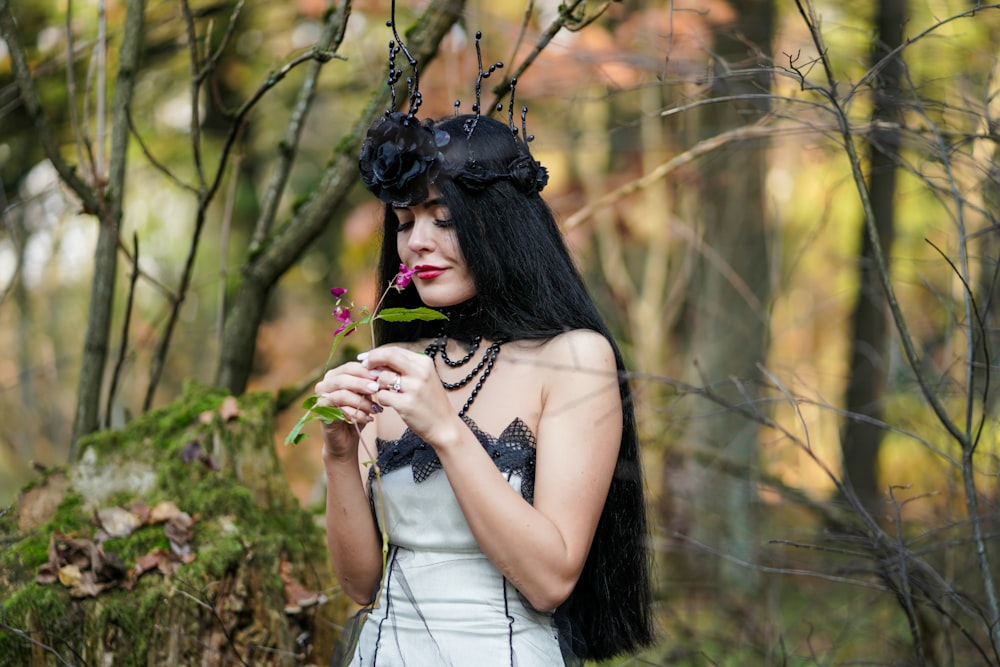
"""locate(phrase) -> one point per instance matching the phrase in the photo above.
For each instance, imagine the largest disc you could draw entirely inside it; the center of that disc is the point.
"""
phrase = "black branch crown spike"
(470, 125)
(413, 81)
(524, 115)
(401, 158)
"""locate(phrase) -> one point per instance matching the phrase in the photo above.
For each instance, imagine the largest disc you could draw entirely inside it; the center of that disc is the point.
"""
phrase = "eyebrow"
(428, 203)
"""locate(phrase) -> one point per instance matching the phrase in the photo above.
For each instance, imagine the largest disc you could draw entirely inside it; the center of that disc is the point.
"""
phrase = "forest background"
(787, 210)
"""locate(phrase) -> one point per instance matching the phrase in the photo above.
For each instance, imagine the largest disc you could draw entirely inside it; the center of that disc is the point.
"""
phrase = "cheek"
(401, 248)
(454, 249)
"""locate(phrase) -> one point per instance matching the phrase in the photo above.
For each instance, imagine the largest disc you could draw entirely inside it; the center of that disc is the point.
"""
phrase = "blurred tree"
(730, 297)
(868, 372)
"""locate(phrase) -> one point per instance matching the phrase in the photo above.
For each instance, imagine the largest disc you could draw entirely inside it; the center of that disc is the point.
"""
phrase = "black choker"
(465, 323)
(482, 369)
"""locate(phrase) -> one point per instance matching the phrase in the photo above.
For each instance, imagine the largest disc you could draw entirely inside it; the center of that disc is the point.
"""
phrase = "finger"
(334, 382)
(405, 362)
(337, 378)
(350, 402)
(392, 381)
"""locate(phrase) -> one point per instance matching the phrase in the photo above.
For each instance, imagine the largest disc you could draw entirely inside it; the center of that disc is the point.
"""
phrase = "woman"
(510, 486)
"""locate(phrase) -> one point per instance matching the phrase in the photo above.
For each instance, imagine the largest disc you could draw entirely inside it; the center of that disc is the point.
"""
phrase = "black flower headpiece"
(402, 156)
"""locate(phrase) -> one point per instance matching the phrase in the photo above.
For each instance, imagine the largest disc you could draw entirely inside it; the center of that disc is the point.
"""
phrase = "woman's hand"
(408, 382)
(349, 388)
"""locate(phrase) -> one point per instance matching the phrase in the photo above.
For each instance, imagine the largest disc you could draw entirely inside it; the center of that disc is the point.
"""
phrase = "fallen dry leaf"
(164, 511)
(81, 566)
(165, 562)
(39, 503)
(69, 576)
(141, 511)
(118, 522)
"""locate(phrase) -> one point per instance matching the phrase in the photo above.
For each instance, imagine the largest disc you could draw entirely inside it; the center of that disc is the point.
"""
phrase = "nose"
(421, 238)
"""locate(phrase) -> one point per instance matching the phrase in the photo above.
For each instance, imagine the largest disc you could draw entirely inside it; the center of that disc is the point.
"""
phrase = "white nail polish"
(372, 387)
(375, 373)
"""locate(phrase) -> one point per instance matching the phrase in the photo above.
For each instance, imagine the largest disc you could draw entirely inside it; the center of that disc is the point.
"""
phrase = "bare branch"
(29, 95)
(126, 322)
(157, 164)
(330, 40)
(195, 91)
(565, 17)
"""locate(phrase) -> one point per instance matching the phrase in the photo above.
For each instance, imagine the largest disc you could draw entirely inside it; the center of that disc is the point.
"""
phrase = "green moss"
(46, 612)
(158, 427)
(30, 552)
(70, 517)
(239, 530)
(217, 558)
(139, 543)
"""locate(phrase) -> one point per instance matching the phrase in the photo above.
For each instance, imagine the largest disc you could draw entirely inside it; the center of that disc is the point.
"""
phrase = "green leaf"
(295, 436)
(410, 314)
(310, 402)
(330, 413)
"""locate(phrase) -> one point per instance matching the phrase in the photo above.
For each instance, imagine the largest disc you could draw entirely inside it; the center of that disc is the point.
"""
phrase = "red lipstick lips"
(426, 272)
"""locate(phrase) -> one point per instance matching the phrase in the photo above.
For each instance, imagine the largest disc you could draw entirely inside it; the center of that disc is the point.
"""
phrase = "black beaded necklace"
(482, 369)
(455, 363)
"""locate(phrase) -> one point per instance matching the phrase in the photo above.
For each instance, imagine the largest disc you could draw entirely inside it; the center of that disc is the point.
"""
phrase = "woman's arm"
(351, 534)
(540, 548)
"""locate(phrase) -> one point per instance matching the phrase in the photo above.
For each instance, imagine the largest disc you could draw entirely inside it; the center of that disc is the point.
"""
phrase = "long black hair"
(528, 288)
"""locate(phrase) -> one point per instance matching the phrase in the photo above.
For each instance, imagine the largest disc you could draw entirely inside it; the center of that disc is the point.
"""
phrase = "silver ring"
(396, 386)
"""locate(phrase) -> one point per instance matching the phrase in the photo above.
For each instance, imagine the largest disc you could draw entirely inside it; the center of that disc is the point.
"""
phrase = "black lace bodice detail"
(513, 452)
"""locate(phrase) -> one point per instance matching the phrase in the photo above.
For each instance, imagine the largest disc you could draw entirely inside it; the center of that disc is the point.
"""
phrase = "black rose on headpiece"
(400, 158)
(472, 176)
(528, 174)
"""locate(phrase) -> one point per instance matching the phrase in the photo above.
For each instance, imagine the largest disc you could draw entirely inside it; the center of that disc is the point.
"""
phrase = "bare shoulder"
(580, 349)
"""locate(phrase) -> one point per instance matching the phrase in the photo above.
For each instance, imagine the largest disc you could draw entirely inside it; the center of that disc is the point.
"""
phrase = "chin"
(435, 299)
(441, 303)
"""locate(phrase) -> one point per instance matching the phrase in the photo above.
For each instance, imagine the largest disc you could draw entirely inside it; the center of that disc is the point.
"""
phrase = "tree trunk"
(730, 303)
(869, 360)
(102, 292)
(248, 590)
(264, 268)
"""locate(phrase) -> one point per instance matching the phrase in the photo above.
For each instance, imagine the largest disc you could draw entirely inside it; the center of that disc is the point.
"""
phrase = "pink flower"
(404, 277)
(344, 316)
(338, 292)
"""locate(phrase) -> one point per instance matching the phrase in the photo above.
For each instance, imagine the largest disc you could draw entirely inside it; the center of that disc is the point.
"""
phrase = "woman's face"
(427, 242)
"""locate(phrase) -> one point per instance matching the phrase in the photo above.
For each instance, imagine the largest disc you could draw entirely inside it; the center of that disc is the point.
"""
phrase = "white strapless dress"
(442, 602)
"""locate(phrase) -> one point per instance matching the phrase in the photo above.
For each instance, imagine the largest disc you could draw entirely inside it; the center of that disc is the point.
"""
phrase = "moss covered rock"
(174, 541)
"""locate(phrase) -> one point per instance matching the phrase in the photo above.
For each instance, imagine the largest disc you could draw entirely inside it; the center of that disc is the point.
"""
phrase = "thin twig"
(194, 69)
(123, 346)
(71, 101)
(101, 94)
(34, 642)
(157, 164)
(565, 17)
(227, 223)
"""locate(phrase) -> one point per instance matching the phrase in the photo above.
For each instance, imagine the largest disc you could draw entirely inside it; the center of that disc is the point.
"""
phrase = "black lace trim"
(513, 452)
